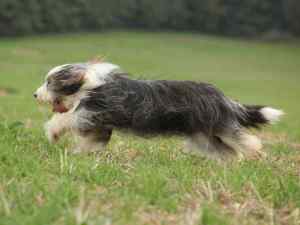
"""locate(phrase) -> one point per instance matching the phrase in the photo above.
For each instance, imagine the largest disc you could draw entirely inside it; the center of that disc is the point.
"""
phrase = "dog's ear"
(67, 83)
(75, 78)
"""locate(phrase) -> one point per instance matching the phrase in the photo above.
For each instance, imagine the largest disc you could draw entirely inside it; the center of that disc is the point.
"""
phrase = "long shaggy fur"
(100, 98)
(160, 107)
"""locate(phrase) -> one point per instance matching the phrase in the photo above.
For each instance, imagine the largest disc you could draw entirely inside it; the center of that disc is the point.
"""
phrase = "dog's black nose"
(35, 95)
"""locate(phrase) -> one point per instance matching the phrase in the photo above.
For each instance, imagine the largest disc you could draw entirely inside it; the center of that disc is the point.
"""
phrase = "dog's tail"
(256, 116)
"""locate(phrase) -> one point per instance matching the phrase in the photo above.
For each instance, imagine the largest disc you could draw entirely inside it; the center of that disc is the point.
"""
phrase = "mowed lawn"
(149, 181)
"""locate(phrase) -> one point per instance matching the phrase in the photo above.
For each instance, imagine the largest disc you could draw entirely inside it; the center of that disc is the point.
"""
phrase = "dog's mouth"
(59, 107)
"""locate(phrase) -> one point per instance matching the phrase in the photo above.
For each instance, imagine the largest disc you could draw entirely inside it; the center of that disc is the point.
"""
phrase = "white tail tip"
(272, 115)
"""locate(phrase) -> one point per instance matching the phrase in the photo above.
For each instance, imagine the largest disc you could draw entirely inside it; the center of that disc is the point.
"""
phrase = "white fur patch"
(58, 125)
(251, 142)
(272, 115)
(43, 95)
(97, 73)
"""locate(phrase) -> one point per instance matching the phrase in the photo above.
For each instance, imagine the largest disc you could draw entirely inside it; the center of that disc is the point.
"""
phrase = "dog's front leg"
(57, 126)
(92, 141)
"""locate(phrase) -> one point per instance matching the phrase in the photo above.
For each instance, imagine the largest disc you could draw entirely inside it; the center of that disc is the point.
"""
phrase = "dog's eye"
(48, 82)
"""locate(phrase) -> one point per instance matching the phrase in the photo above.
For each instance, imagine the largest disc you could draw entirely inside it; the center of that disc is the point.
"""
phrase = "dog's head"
(65, 85)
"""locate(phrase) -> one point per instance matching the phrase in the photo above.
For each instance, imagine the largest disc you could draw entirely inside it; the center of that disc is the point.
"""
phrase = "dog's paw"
(51, 133)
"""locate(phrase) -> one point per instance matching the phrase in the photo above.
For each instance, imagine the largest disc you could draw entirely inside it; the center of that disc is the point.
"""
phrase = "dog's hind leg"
(243, 143)
(92, 141)
(212, 147)
(197, 142)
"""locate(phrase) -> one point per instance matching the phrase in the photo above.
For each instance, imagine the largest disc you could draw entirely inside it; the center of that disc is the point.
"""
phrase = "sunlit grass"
(148, 181)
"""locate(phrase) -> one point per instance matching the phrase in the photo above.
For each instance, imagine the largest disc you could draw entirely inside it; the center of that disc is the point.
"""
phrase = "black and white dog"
(93, 99)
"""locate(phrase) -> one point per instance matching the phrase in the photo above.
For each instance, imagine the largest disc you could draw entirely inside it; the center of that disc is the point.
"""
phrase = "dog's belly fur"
(158, 107)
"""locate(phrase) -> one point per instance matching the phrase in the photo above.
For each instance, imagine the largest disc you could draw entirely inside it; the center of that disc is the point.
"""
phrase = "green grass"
(140, 181)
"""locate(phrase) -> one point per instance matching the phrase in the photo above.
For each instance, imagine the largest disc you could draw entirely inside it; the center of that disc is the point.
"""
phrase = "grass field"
(139, 181)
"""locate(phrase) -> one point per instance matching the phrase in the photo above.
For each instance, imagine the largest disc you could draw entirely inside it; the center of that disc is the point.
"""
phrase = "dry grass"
(139, 181)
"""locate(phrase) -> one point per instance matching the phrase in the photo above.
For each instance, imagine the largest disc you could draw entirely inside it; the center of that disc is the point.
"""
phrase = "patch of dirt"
(3, 93)
(6, 91)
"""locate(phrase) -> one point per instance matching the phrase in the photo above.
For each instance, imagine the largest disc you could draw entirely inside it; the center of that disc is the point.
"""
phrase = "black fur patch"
(152, 107)
(253, 117)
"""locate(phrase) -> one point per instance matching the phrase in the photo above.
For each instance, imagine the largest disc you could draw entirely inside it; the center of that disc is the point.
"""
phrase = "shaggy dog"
(93, 99)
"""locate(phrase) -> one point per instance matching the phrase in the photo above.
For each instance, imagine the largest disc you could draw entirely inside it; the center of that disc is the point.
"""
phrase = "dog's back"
(160, 106)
